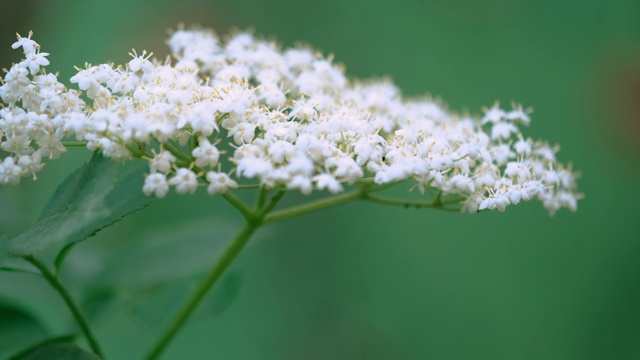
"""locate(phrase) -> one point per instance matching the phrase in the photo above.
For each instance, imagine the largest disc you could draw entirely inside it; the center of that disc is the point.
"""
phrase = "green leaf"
(4, 249)
(56, 349)
(165, 253)
(18, 329)
(157, 271)
(8, 262)
(226, 293)
(94, 197)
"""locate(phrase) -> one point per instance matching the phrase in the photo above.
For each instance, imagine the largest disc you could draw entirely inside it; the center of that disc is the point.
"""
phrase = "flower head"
(293, 118)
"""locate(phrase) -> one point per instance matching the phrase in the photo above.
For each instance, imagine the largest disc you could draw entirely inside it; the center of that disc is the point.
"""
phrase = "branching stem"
(407, 202)
(254, 221)
(74, 143)
(237, 203)
(75, 310)
(262, 214)
(176, 151)
(298, 210)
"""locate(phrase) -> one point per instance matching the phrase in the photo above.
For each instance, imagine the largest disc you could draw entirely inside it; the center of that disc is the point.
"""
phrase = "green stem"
(237, 203)
(406, 202)
(364, 193)
(254, 220)
(249, 186)
(374, 187)
(176, 151)
(74, 143)
(138, 150)
(437, 202)
(262, 213)
(452, 201)
(262, 196)
(11, 269)
(75, 310)
(314, 206)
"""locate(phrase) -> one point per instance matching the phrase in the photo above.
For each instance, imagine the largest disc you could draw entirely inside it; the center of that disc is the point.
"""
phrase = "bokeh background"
(365, 281)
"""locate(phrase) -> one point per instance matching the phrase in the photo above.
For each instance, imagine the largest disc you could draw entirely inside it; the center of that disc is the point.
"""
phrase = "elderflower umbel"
(293, 118)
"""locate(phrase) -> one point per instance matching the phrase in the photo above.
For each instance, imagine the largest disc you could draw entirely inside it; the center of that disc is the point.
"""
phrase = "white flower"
(162, 162)
(463, 184)
(495, 200)
(31, 163)
(202, 117)
(235, 98)
(519, 170)
(522, 146)
(156, 184)
(493, 115)
(141, 62)
(300, 165)
(295, 120)
(243, 133)
(17, 144)
(85, 79)
(346, 168)
(550, 177)
(185, 181)
(34, 61)
(27, 44)
(50, 146)
(252, 166)
(502, 154)
(303, 109)
(17, 76)
(219, 183)
(502, 130)
(302, 183)
(518, 114)
(10, 172)
(206, 154)
(272, 94)
(327, 181)
(281, 150)
(472, 203)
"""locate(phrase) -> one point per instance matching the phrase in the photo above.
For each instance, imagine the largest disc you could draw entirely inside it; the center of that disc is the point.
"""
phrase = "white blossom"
(156, 184)
(141, 62)
(185, 181)
(205, 154)
(162, 162)
(34, 61)
(329, 182)
(27, 44)
(219, 183)
(294, 119)
(10, 172)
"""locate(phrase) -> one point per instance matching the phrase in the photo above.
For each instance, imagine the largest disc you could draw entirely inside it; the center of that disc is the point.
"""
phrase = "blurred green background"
(365, 281)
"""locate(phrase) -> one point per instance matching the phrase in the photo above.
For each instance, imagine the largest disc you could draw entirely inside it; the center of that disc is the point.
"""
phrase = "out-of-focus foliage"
(364, 281)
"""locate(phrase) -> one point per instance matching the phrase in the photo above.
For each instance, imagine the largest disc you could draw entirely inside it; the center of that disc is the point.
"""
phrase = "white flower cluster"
(294, 119)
